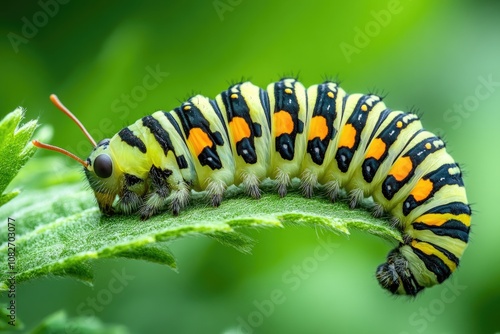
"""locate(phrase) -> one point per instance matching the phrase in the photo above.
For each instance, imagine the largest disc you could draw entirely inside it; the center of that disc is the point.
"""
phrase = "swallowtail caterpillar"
(319, 134)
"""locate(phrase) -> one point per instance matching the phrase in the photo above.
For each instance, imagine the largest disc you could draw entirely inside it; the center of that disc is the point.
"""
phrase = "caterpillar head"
(100, 168)
(103, 175)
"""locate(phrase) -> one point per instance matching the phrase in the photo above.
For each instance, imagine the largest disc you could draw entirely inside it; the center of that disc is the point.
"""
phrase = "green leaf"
(15, 150)
(60, 323)
(60, 231)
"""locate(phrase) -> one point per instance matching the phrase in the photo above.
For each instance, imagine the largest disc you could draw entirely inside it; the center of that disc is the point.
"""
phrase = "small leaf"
(15, 149)
(8, 321)
(60, 231)
(157, 252)
(60, 323)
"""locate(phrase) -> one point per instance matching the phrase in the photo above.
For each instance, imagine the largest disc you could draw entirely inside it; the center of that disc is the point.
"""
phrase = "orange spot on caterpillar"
(199, 139)
(422, 190)
(401, 168)
(239, 129)
(283, 123)
(377, 149)
(318, 128)
(348, 137)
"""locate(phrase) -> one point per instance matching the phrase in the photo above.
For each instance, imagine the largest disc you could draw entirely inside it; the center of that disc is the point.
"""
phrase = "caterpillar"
(319, 134)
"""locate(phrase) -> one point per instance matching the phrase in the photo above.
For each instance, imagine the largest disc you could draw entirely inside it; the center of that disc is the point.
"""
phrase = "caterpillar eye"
(103, 166)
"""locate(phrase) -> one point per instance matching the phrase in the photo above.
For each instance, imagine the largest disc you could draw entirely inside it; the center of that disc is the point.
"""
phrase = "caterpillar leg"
(130, 200)
(156, 199)
(355, 196)
(179, 198)
(378, 210)
(309, 180)
(332, 190)
(251, 184)
(283, 181)
(215, 190)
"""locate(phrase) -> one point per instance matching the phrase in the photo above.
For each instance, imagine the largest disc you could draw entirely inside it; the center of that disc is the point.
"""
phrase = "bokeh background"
(114, 61)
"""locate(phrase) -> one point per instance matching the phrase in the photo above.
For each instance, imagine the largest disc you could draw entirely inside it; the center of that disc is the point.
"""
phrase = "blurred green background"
(441, 57)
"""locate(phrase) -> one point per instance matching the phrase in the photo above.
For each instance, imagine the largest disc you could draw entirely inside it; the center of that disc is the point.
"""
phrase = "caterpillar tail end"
(396, 276)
